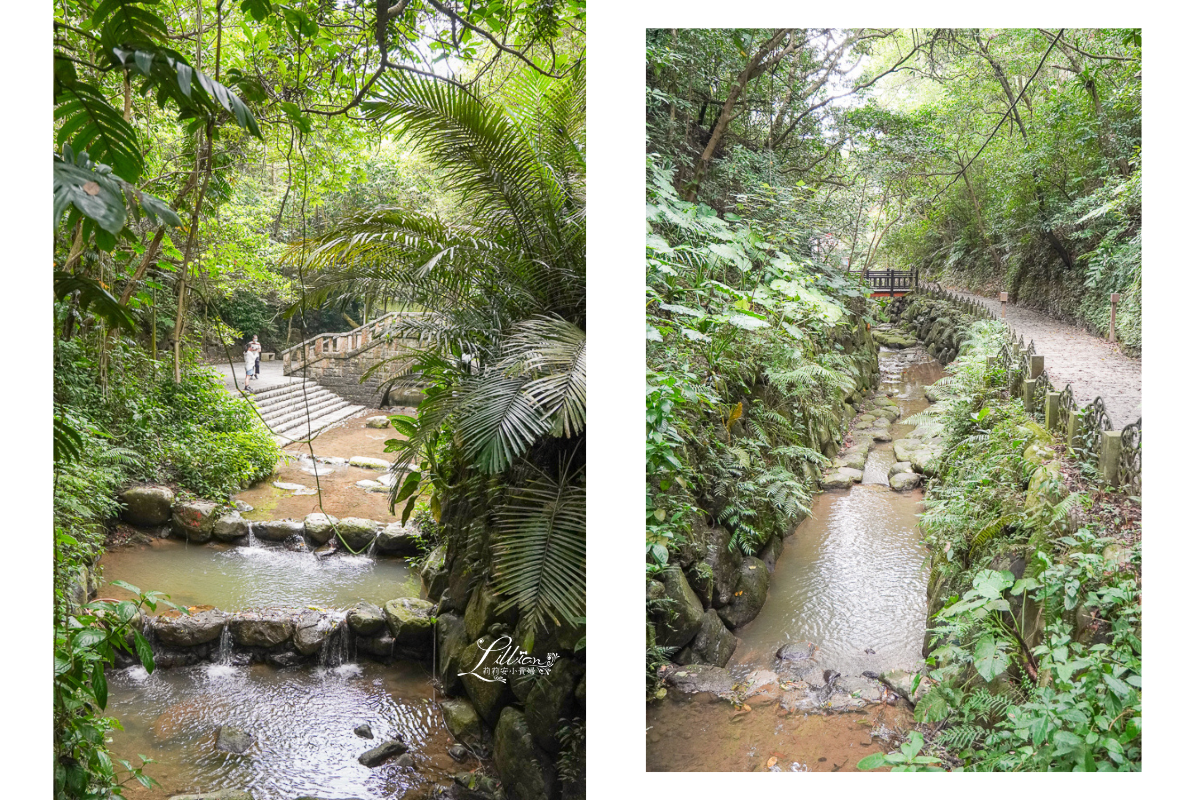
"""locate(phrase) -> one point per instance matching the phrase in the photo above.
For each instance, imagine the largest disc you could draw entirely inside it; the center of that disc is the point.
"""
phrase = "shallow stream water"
(852, 580)
(302, 720)
(236, 578)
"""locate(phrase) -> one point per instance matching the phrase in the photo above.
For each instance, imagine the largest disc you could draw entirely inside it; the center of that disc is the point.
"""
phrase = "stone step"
(298, 414)
(277, 390)
(276, 413)
(282, 393)
(303, 431)
(293, 395)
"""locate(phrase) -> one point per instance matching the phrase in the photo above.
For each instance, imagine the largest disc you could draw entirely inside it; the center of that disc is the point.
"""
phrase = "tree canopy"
(991, 159)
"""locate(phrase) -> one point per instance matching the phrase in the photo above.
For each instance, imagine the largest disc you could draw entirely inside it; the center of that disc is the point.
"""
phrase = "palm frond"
(553, 353)
(540, 548)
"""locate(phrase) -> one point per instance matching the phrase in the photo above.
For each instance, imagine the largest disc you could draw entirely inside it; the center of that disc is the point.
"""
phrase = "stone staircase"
(284, 409)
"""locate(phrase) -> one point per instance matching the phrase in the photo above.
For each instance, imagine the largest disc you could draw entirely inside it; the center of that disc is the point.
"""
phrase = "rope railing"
(1088, 431)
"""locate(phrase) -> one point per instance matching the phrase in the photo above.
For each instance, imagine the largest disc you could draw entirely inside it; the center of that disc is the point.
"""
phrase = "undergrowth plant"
(752, 351)
(1035, 645)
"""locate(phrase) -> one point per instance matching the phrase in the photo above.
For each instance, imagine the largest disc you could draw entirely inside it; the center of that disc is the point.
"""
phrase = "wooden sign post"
(1003, 300)
(1112, 320)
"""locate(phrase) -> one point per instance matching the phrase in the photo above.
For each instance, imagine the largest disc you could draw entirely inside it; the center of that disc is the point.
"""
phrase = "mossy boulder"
(369, 462)
(479, 660)
(452, 643)
(411, 622)
(318, 528)
(842, 478)
(753, 581)
(312, 629)
(278, 530)
(147, 506)
(433, 572)
(484, 610)
(714, 643)
(193, 520)
(357, 533)
(904, 481)
(230, 527)
(680, 621)
(261, 628)
(188, 630)
(551, 702)
(366, 619)
(724, 561)
(399, 539)
(527, 771)
(462, 721)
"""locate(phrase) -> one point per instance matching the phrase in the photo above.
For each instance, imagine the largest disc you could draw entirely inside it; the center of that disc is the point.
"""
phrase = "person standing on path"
(256, 348)
(251, 361)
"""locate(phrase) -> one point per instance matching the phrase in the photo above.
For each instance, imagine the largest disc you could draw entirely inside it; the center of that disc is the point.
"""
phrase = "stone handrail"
(348, 341)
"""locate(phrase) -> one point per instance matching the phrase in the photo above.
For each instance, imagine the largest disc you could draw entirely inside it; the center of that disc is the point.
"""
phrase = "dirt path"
(1091, 365)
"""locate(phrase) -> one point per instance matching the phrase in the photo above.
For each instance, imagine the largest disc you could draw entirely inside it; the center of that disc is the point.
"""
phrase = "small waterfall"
(251, 539)
(371, 547)
(225, 647)
(151, 635)
(222, 666)
(335, 651)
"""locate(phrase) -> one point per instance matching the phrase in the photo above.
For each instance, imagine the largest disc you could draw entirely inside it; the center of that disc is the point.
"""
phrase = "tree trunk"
(983, 226)
(754, 67)
(1051, 237)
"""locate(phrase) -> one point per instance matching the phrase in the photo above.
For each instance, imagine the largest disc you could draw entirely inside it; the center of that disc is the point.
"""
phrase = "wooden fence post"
(1003, 301)
(1074, 434)
(1028, 394)
(1052, 402)
(1036, 365)
(1110, 456)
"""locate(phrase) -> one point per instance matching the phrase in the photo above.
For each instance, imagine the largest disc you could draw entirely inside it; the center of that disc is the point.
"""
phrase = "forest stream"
(851, 580)
(302, 717)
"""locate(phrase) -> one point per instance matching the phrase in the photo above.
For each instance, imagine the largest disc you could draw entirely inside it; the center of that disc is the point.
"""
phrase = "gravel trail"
(1091, 365)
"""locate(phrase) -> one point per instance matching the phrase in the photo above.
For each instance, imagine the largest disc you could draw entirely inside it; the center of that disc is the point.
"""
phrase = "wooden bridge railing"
(890, 281)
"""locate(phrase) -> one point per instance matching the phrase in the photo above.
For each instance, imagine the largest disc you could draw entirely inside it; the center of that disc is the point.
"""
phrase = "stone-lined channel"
(852, 581)
(293, 642)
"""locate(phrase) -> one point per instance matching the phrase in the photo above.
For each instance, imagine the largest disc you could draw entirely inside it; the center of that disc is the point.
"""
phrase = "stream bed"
(302, 720)
(852, 580)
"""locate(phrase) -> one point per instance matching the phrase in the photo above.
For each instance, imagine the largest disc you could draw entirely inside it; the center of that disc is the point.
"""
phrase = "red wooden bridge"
(890, 282)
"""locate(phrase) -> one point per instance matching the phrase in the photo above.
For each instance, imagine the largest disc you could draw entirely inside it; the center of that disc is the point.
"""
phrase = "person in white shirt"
(256, 348)
(251, 359)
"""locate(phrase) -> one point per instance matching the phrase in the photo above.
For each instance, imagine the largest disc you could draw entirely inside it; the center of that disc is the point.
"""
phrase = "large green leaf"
(990, 658)
(553, 354)
(499, 421)
(89, 122)
(540, 549)
(93, 296)
(97, 195)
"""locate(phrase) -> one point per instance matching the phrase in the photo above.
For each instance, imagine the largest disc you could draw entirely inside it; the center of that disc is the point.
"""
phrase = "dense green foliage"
(752, 351)
(193, 143)
(990, 159)
(1040, 671)
(503, 359)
